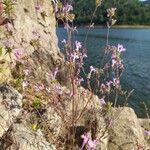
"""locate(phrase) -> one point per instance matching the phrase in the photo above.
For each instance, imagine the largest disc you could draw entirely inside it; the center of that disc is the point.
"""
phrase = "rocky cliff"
(47, 126)
(31, 27)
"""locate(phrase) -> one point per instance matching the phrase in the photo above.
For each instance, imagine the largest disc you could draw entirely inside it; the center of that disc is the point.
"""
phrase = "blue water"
(136, 58)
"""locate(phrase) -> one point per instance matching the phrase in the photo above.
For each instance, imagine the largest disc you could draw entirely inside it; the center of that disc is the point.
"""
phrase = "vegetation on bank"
(131, 12)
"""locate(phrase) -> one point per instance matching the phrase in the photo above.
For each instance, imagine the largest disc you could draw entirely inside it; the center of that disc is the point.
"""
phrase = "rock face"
(15, 132)
(145, 124)
(33, 24)
(10, 107)
(21, 137)
(126, 130)
(33, 32)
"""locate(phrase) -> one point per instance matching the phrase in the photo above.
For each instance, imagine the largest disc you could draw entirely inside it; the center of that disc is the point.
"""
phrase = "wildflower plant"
(52, 93)
(106, 78)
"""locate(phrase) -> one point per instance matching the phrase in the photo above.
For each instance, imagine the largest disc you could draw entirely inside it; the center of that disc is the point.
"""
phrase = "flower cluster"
(76, 55)
(67, 8)
(54, 87)
(63, 11)
(39, 87)
(18, 52)
(117, 62)
(106, 88)
(102, 101)
(9, 27)
(87, 140)
(39, 8)
(78, 45)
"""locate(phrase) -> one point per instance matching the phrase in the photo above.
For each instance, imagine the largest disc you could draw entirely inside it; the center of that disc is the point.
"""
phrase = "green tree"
(128, 11)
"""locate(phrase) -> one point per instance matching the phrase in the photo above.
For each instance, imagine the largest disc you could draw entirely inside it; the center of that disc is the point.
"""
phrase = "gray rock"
(23, 137)
(54, 121)
(145, 124)
(126, 131)
(10, 107)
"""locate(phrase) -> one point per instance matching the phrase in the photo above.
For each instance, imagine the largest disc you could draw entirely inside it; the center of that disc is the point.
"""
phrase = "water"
(137, 59)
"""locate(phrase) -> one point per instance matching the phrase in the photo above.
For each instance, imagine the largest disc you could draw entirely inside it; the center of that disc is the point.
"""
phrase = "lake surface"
(136, 58)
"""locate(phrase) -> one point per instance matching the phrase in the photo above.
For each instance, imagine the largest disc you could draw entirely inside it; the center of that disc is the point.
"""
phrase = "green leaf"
(1, 51)
(8, 51)
(36, 103)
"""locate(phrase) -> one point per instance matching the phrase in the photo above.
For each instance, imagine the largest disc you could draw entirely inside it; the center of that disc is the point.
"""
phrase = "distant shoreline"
(116, 26)
(122, 26)
(132, 26)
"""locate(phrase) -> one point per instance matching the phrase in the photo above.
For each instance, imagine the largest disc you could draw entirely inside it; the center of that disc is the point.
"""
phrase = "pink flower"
(137, 148)
(67, 8)
(18, 53)
(147, 132)
(108, 83)
(8, 27)
(92, 69)
(35, 34)
(74, 56)
(56, 9)
(80, 80)
(78, 45)
(120, 48)
(116, 82)
(92, 144)
(63, 41)
(85, 55)
(113, 56)
(38, 8)
(39, 87)
(26, 72)
(25, 84)
(57, 89)
(113, 62)
(102, 101)
(85, 138)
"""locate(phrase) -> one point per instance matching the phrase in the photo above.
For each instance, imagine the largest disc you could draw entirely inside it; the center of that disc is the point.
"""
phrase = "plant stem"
(87, 33)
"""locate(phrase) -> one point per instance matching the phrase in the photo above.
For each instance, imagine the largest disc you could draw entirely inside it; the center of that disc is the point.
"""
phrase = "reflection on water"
(136, 58)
